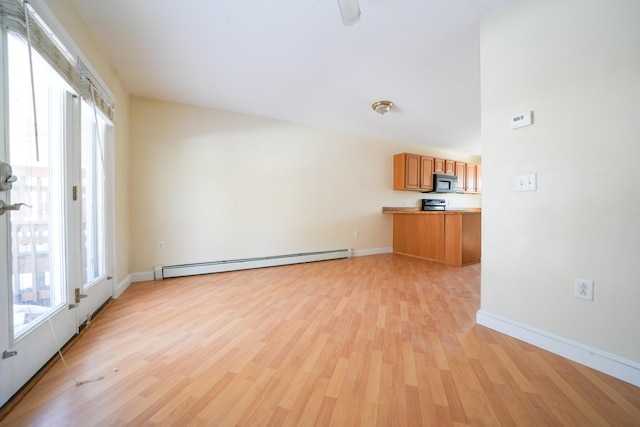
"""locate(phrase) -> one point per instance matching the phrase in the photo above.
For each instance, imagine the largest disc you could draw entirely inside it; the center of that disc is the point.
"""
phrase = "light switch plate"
(526, 182)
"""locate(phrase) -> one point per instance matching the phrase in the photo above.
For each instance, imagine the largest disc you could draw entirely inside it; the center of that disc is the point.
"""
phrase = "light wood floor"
(382, 340)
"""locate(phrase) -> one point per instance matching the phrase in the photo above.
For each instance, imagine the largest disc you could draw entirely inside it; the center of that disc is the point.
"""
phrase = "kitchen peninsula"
(451, 236)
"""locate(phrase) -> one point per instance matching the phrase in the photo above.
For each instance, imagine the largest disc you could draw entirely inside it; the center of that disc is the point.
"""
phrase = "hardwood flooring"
(383, 340)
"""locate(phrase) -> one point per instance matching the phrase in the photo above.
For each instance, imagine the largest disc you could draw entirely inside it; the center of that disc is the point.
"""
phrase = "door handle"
(15, 207)
(8, 354)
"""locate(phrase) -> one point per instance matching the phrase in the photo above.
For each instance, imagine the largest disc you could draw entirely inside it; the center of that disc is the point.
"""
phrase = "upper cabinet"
(461, 174)
(469, 177)
(426, 173)
(473, 178)
(470, 186)
(444, 166)
(413, 172)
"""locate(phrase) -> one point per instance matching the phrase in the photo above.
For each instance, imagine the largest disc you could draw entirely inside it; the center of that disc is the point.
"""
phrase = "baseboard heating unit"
(180, 270)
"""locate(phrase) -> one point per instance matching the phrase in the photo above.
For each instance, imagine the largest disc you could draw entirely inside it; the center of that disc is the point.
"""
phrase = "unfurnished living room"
(333, 212)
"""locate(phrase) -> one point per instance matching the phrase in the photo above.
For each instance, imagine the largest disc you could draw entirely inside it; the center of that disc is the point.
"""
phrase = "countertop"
(416, 210)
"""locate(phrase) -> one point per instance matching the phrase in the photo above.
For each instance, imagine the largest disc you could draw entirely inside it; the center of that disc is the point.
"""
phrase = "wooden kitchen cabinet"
(469, 177)
(444, 166)
(461, 174)
(412, 172)
(438, 165)
(449, 167)
(406, 171)
(420, 235)
(450, 237)
(463, 239)
(473, 182)
(426, 173)
(470, 185)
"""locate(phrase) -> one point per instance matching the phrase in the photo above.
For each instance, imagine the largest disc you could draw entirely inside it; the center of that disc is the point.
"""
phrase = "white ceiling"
(294, 60)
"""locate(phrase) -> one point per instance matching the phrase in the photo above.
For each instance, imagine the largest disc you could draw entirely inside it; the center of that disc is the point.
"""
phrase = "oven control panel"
(433, 204)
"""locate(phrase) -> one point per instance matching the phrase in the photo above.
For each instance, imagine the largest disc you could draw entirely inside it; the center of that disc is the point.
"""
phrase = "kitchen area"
(434, 230)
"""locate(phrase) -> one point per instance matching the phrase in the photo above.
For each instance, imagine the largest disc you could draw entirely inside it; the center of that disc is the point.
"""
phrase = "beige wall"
(576, 63)
(67, 16)
(215, 185)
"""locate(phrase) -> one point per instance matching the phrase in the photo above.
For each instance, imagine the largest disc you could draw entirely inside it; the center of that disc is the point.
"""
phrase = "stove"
(433, 204)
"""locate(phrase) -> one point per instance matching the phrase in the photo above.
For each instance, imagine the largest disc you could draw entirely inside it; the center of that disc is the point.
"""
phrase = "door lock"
(6, 177)
(15, 207)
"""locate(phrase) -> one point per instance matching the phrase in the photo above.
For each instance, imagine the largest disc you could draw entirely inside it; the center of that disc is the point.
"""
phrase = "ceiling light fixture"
(382, 107)
(350, 11)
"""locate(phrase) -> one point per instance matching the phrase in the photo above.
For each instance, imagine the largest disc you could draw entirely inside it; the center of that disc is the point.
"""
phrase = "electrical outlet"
(583, 289)
(160, 246)
(356, 234)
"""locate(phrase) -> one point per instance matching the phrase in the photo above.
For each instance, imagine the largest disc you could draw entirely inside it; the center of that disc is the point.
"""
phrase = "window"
(93, 194)
(38, 281)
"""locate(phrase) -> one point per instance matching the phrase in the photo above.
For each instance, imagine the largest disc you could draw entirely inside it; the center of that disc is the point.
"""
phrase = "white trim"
(144, 276)
(374, 251)
(111, 201)
(610, 364)
(122, 286)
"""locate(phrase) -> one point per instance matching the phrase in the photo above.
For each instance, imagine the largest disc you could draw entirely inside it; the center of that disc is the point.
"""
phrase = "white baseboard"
(610, 364)
(145, 276)
(122, 286)
(374, 251)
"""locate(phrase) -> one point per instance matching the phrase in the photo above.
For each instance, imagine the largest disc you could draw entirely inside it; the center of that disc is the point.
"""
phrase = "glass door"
(35, 282)
(96, 285)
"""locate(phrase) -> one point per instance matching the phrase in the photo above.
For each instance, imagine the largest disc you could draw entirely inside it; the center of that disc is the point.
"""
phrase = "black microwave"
(444, 183)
